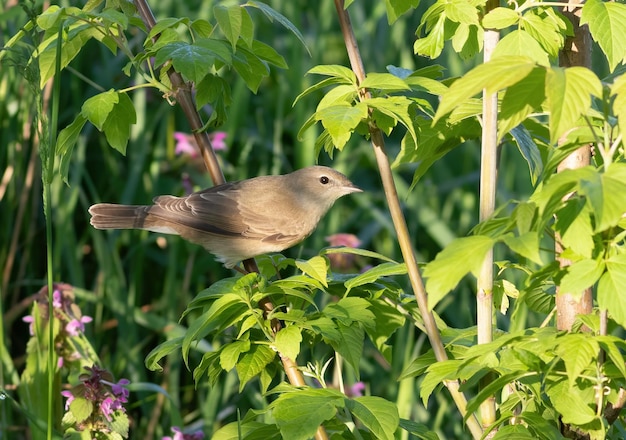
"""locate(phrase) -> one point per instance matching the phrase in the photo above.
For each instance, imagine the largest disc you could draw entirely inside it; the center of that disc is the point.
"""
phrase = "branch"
(399, 221)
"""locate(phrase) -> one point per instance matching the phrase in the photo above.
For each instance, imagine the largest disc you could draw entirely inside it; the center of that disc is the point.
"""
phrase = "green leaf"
(81, 408)
(618, 91)
(520, 100)
(288, 341)
(612, 288)
(579, 352)
(274, 15)
(373, 274)
(606, 193)
(350, 309)
(461, 11)
(492, 76)
(460, 257)
(436, 374)
(229, 19)
(316, 268)
(518, 43)
(356, 251)
(336, 71)
(395, 8)
(223, 312)
(350, 345)
(384, 81)
(377, 414)
(388, 319)
(530, 152)
(500, 18)
(160, 351)
(98, 108)
(397, 107)
(218, 48)
(250, 67)
(543, 30)
(432, 44)
(527, 245)
(77, 36)
(298, 414)
(267, 53)
(341, 120)
(229, 354)
(253, 362)
(570, 402)
(202, 27)
(514, 432)
(419, 430)
(569, 94)
(581, 275)
(65, 144)
(607, 24)
(117, 125)
(165, 23)
(191, 60)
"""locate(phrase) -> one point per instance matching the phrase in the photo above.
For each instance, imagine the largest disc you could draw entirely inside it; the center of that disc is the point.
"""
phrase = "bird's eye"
(324, 180)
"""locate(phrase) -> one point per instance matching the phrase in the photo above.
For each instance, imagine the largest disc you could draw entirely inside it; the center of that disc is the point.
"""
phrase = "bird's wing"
(231, 210)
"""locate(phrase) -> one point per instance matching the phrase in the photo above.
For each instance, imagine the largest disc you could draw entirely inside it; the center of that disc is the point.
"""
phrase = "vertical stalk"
(488, 179)
(577, 52)
(399, 221)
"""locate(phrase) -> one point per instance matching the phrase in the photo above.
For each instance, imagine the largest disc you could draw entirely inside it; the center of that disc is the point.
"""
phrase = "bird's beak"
(352, 188)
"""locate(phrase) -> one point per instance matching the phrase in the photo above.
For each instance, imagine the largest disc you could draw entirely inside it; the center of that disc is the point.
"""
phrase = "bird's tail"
(111, 216)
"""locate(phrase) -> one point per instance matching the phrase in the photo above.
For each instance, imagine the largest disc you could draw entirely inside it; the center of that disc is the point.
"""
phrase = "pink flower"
(356, 390)
(76, 326)
(217, 140)
(57, 299)
(342, 239)
(31, 321)
(108, 407)
(343, 261)
(186, 143)
(70, 398)
(180, 435)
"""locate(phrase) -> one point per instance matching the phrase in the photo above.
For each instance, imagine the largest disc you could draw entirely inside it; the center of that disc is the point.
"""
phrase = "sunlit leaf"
(569, 93)
(607, 25)
(462, 256)
(493, 76)
(378, 415)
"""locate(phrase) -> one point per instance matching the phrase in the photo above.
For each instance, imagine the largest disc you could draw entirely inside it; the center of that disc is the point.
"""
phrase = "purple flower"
(70, 398)
(217, 140)
(76, 326)
(180, 435)
(31, 321)
(107, 407)
(57, 299)
(186, 143)
(356, 390)
(120, 390)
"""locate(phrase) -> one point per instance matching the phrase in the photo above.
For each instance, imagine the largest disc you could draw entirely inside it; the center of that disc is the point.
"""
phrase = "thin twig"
(487, 196)
(399, 222)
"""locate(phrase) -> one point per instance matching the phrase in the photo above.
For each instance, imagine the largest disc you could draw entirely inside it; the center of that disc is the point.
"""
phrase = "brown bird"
(239, 220)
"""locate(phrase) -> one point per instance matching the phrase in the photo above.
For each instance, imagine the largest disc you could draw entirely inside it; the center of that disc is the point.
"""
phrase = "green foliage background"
(136, 285)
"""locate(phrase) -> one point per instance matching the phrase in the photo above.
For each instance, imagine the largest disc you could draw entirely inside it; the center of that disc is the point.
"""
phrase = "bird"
(239, 220)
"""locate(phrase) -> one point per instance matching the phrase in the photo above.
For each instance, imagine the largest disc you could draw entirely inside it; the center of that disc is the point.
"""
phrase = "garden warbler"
(239, 220)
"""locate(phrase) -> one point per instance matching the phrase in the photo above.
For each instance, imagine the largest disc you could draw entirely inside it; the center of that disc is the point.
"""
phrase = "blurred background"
(136, 284)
